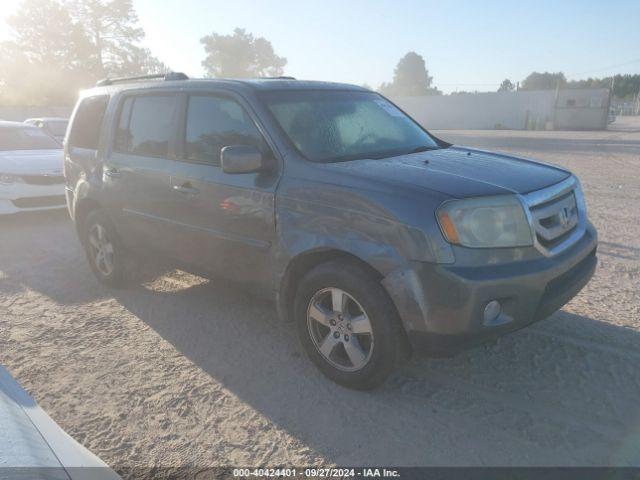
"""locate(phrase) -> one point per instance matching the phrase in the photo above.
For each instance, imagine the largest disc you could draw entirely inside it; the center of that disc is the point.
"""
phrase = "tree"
(544, 81)
(45, 33)
(624, 86)
(410, 78)
(240, 55)
(506, 86)
(57, 48)
(113, 32)
(38, 62)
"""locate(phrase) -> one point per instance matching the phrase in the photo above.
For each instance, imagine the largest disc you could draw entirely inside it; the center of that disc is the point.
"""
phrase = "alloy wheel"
(101, 248)
(340, 329)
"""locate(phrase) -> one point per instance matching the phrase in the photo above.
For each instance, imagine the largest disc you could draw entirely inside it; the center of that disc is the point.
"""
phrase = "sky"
(467, 45)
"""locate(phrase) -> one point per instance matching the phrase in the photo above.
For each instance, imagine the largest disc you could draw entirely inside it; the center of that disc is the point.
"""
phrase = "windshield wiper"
(423, 148)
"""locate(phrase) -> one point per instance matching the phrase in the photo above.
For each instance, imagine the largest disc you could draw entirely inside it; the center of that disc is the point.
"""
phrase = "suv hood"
(31, 162)
(459, 172)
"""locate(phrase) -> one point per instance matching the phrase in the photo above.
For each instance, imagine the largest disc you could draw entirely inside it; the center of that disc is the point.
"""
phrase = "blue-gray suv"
(375, 237)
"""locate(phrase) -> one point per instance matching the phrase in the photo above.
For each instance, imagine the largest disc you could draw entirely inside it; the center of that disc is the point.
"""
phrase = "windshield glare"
(27, 138)
(329, 126)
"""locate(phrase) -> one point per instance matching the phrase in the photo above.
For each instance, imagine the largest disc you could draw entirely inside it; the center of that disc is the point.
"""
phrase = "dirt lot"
(186, 371)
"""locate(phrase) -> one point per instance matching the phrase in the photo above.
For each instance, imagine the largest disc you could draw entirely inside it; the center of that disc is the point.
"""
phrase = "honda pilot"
(375, 238)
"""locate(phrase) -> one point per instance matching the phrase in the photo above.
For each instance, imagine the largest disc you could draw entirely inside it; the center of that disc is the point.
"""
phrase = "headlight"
(7, 178)
(485, 222)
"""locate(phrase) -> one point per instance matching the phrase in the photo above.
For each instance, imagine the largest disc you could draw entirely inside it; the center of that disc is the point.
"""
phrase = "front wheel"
(347, 324)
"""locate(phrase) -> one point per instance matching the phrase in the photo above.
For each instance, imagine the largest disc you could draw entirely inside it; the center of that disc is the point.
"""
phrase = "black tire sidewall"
(358, 283)
(99, 217)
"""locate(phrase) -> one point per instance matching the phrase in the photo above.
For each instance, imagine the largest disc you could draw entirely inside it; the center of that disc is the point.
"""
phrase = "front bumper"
(442, 306)
(23, 197)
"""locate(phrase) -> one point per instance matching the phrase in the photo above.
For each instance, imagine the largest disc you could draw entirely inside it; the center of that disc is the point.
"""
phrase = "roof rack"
(165, 76)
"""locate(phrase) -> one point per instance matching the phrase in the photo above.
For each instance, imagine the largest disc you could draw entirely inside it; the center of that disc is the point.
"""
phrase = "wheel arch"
(301, 264)
(84, 206)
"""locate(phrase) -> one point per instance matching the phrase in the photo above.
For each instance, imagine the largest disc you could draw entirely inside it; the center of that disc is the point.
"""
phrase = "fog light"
(492, 311)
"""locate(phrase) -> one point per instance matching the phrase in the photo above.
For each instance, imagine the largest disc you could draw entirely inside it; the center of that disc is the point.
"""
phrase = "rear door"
(136, 171)
(226, 222)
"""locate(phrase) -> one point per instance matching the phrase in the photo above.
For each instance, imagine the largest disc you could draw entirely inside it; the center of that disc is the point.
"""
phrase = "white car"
(31, 169)
(54, 126)
(33, 446)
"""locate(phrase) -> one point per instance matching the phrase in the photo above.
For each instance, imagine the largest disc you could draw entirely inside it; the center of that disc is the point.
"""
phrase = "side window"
(85, 131)
(214, 123)
(122, 141)
(145, 125)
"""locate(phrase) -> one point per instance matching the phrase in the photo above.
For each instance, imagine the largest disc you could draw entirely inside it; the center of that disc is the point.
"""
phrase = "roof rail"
(277, 78)
(165, 76)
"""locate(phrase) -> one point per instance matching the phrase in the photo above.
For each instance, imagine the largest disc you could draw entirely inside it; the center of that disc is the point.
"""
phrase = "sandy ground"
(184, 371)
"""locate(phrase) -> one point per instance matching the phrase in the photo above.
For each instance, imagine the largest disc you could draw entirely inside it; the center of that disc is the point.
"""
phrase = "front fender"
(304, 227)
(336, 220)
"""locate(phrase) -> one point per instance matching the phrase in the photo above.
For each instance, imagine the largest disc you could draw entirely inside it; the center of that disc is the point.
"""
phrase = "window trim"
(181, 141)
(171, 147)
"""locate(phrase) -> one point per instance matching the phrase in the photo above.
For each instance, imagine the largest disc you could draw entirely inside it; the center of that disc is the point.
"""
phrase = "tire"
(99, 235)
(332, 305)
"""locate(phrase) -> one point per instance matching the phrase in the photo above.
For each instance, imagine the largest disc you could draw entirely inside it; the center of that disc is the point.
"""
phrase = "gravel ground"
(185, 371)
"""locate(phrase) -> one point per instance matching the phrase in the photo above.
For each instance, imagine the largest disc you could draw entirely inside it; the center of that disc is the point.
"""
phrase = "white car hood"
(31, 162)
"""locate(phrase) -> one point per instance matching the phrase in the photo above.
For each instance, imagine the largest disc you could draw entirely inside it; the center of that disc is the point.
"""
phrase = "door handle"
(112, 172)
(186, 189)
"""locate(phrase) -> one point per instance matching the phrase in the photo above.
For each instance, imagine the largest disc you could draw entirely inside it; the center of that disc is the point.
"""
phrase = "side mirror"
(241, 159)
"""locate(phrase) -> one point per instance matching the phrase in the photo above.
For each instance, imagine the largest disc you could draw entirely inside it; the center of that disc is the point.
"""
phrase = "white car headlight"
(7, 178)
(485, 222)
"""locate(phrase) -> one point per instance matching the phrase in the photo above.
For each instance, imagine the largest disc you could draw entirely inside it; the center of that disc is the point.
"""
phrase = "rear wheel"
(104, 249)
(347, 324)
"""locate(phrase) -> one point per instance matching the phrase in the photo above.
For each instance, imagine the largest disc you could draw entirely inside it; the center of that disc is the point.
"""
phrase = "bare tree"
(240, 55)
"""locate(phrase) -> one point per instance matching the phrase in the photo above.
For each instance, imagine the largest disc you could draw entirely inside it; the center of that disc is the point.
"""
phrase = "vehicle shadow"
(46, 242)
(562, 392)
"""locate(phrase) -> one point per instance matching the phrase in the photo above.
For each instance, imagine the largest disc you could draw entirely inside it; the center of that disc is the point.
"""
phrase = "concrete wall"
(577, 109)
(19, 114)
(582, 109)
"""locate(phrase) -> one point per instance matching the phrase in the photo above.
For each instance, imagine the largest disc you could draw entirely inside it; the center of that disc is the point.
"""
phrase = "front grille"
(43, 179)
(39, 202)
(557, 216)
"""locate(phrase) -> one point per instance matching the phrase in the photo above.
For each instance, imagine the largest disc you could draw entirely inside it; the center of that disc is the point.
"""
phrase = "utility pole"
(606, 113)
(555, 104)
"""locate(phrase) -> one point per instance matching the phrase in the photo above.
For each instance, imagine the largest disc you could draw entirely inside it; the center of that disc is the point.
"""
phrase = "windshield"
(332, 125)
(27, 138)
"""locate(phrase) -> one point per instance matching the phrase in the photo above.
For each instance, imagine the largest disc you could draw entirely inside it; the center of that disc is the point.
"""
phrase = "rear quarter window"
(87, 122)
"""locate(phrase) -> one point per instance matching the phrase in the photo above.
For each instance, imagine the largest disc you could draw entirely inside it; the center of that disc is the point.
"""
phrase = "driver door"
(224, 222)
